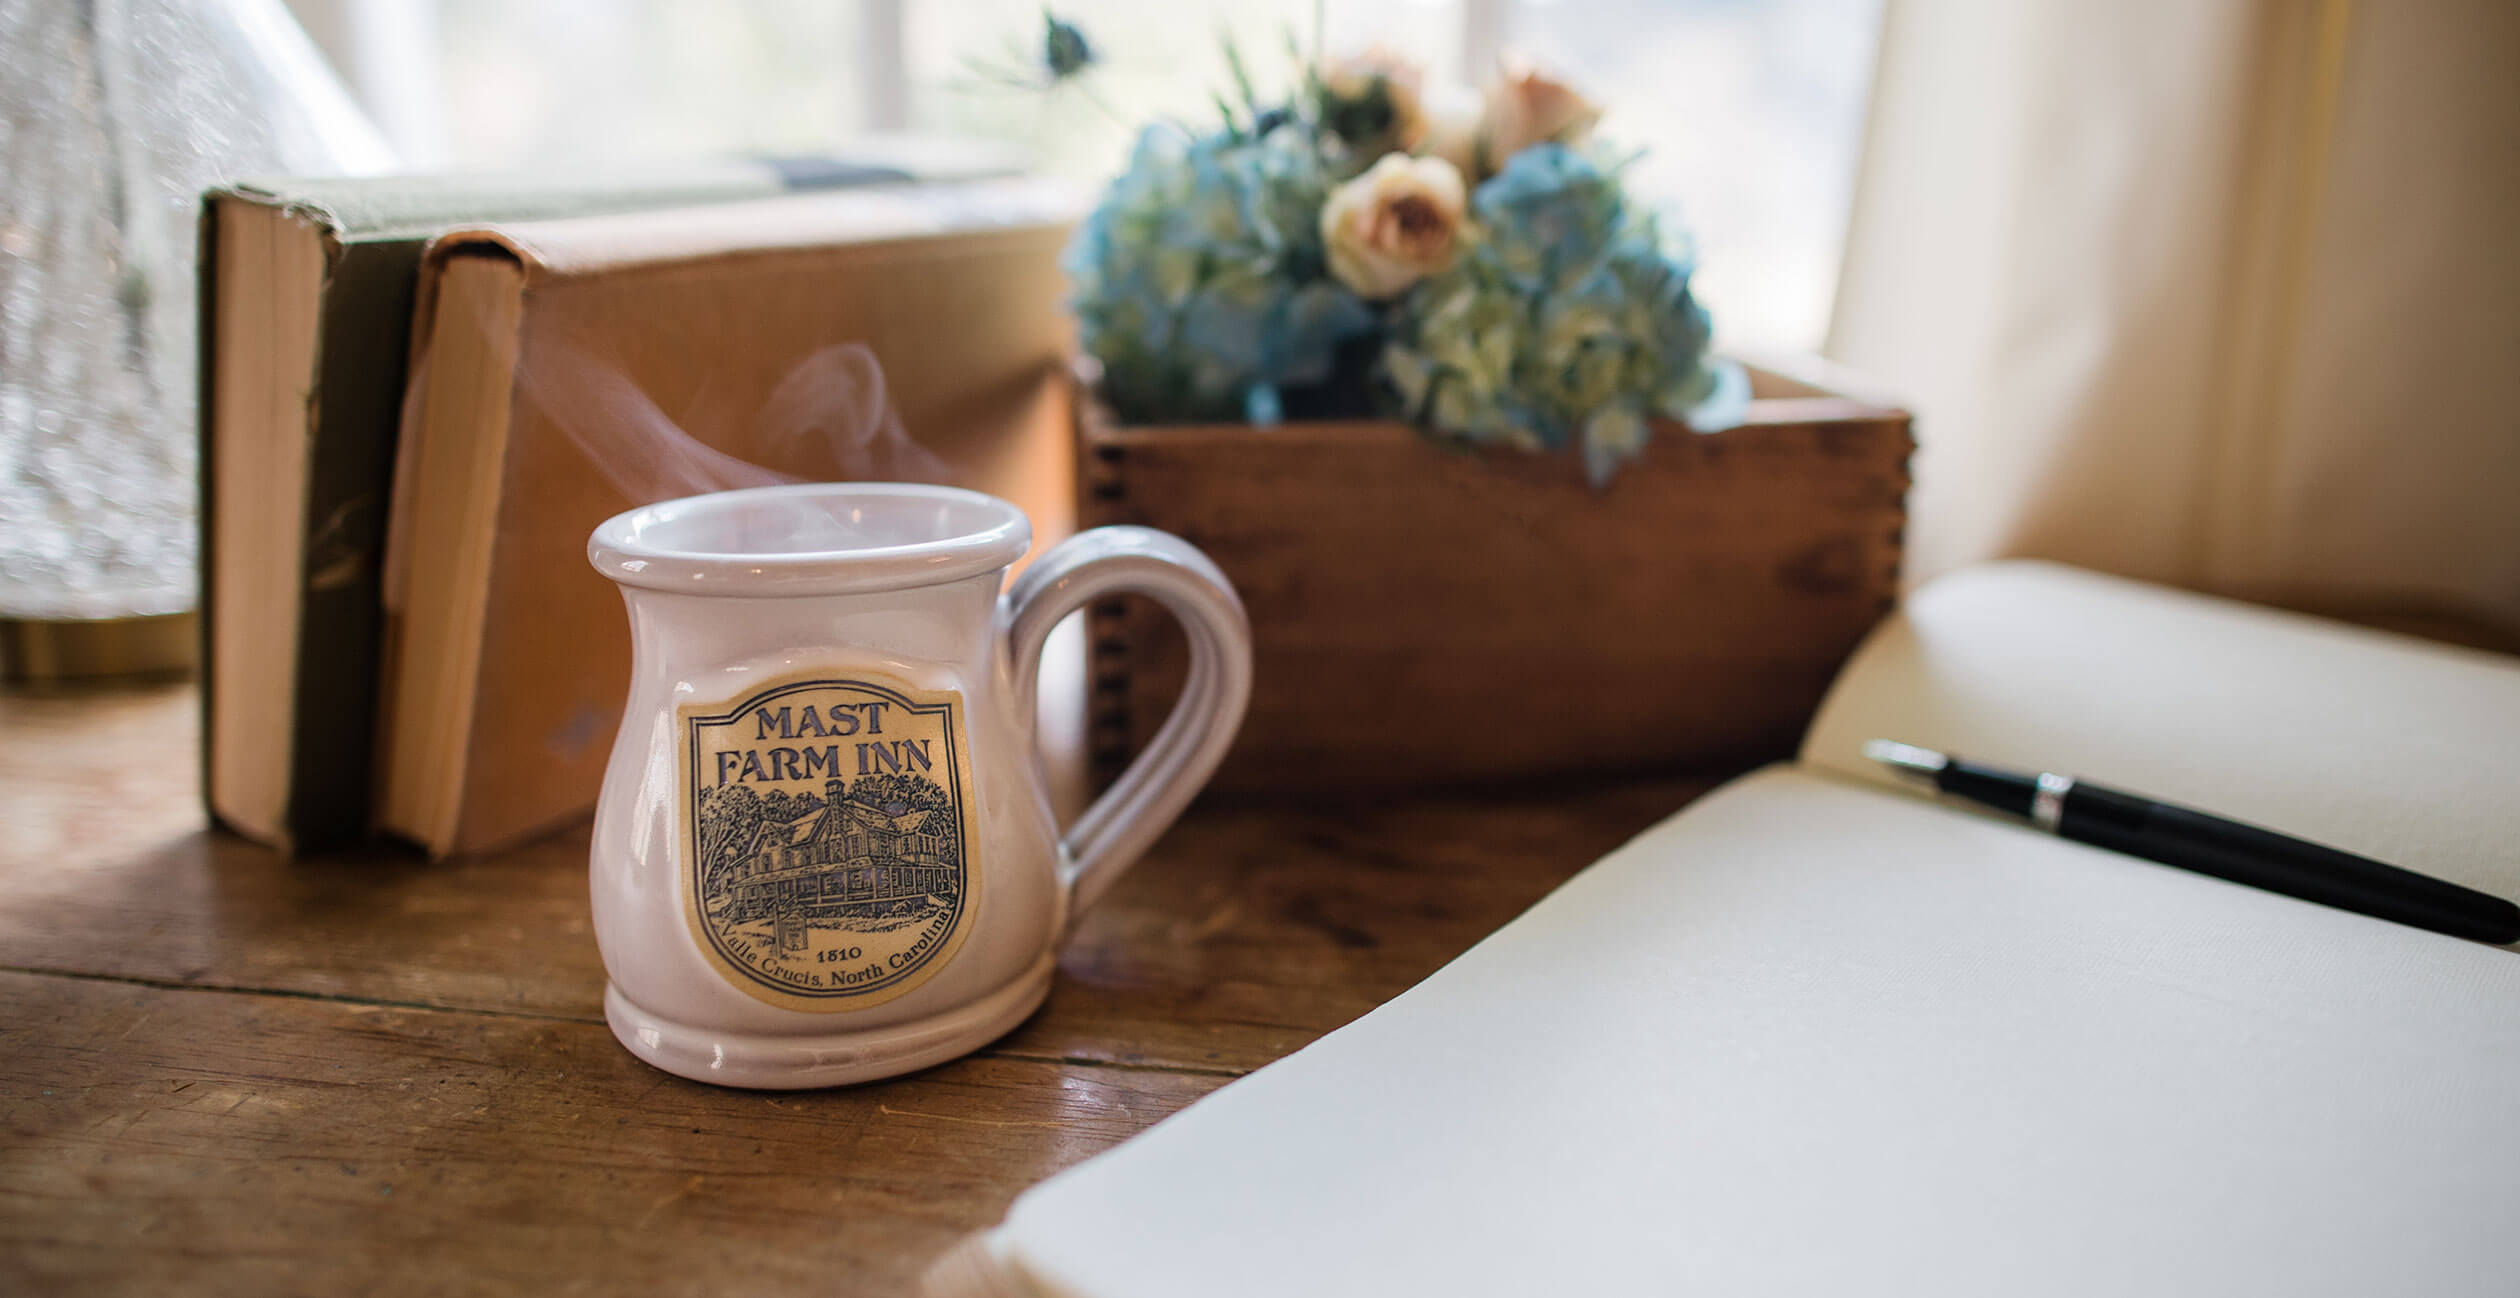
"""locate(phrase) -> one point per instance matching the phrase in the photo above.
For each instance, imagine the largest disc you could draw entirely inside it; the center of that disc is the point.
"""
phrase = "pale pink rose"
(1453, 121)
(1396, 224)
(1527, 107)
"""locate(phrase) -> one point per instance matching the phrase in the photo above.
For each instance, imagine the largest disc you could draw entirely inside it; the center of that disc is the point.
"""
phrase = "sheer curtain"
(2223, 293)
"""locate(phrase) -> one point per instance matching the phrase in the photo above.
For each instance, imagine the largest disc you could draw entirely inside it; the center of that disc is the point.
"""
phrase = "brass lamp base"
(43, 652)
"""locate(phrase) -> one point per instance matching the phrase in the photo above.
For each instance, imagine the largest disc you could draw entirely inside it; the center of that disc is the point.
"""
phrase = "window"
(1751, 115)
(1748, 112)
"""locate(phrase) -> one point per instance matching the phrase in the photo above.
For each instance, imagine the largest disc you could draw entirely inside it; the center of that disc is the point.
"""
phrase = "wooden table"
(221, 1071)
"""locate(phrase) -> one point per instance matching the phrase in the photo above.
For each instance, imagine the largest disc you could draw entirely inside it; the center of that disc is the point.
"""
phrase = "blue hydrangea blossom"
(1200, 281)
(1566, 322)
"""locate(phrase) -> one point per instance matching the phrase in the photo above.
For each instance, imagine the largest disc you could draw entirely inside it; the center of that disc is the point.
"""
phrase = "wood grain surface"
(224, 1072)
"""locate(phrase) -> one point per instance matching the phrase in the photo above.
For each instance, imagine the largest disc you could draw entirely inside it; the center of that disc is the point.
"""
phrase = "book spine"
(354, 423)
(205, 371)
(357, 408)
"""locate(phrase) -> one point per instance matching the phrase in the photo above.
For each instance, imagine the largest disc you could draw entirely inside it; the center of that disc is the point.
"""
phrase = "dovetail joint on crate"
(1109, 731)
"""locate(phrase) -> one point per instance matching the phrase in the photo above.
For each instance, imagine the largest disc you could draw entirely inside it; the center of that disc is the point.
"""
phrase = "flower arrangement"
(1469, 262)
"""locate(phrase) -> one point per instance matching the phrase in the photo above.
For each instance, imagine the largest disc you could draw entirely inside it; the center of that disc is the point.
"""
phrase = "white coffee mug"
(825, 852)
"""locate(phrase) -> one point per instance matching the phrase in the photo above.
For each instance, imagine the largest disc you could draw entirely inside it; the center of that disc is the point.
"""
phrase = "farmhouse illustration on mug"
(841, 860)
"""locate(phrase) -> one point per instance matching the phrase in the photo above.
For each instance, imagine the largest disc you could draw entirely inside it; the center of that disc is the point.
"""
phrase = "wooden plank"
(206, 1142)
(1256, 927)
(111, 869)
(410, 1088)
(1251, 929)
(1423, 616)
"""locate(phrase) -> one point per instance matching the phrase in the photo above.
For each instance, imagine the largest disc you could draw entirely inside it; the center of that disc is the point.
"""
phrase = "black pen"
(2225, 849)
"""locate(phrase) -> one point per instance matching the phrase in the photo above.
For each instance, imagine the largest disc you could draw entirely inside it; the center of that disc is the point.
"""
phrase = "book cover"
(570, 369)
(307, 293)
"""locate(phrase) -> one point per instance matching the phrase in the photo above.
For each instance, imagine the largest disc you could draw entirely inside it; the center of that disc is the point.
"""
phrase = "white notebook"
(1816, 1035)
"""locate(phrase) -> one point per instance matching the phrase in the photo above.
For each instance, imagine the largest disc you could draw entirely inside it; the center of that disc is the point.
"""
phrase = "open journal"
(1819, 1035)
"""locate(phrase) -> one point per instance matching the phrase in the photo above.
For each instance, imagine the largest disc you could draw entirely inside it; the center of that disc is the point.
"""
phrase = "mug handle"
(1153, 791)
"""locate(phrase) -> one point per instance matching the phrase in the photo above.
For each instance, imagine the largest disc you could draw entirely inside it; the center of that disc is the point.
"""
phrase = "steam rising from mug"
(829, 419)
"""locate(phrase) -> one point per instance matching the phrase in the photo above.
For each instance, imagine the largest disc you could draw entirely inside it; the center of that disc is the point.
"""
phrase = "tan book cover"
(566, 370)
(306, 296)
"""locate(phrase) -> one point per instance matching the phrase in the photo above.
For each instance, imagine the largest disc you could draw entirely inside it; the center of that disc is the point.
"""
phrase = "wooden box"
(1426, 615)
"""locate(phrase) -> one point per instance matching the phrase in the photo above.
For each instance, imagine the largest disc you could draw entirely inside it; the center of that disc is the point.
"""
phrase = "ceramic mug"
(825, 852)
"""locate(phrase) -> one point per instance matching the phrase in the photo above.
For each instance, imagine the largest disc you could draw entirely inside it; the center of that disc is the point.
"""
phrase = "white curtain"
(2221, 293)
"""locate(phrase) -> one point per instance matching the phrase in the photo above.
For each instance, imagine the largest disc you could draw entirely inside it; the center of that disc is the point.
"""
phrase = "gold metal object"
(47, 652)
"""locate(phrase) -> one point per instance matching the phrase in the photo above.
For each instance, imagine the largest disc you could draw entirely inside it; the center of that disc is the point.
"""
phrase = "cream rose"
(1526, 107)
(1395, 225)
(1453, 114)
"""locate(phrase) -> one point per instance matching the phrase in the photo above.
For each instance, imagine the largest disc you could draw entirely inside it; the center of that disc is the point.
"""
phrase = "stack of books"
(420, 394)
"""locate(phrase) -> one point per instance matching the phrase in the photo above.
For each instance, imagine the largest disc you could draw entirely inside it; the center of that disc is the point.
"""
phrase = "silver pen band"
(2047, 806)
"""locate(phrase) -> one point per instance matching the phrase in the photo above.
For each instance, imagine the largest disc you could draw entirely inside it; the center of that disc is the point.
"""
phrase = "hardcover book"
(566, 370)
(307, 289)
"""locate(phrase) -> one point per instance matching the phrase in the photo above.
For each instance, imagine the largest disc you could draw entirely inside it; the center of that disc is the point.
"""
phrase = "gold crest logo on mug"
(830, 862)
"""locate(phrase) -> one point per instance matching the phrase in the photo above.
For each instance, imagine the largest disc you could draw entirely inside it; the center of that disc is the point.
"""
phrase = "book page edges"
(257, 433)
(2393, 747)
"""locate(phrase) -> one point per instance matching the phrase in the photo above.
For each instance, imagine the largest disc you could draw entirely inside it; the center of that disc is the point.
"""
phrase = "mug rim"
(619, 551)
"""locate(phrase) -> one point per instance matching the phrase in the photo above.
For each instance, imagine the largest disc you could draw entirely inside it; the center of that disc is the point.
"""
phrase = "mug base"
(800, 1062)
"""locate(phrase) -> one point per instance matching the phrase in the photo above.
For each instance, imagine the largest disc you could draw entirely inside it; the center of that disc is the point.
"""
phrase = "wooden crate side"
(1422, 615)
